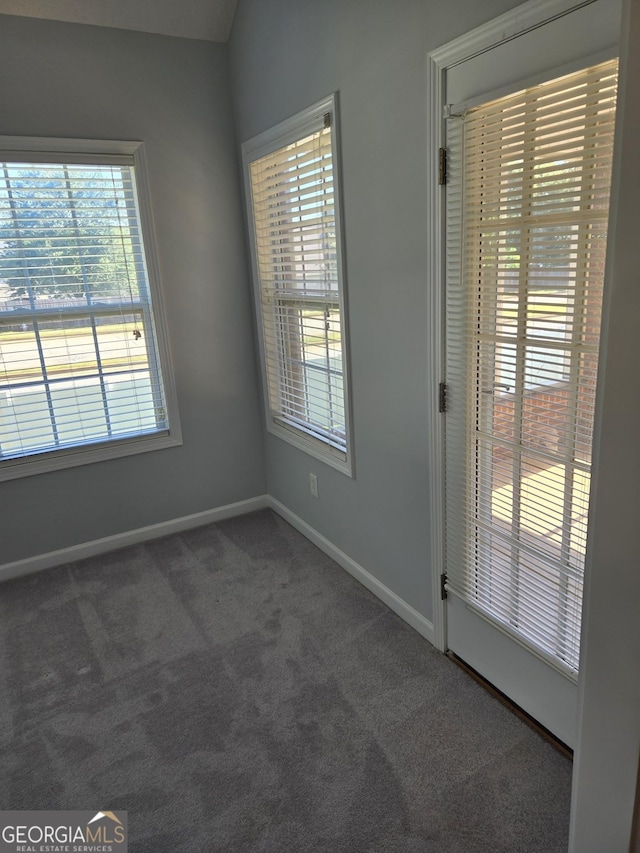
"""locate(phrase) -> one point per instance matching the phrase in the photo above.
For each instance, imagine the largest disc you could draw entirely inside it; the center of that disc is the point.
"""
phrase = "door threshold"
(515, 709)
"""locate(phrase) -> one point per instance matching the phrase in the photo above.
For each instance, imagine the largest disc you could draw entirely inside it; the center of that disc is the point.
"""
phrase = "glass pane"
(26, 424)
(312, 340)
(536, 182)
(78, 409)
(69, 380)
(69, 233)
(130, 402)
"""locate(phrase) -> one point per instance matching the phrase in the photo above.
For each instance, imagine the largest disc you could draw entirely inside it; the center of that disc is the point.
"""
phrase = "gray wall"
(286, 54)
(80, 81)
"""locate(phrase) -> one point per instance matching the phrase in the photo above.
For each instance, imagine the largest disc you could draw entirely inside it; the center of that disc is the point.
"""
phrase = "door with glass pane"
(527, 221)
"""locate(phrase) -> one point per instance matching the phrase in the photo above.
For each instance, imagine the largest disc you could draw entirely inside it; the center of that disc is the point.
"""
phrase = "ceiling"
(209, 20)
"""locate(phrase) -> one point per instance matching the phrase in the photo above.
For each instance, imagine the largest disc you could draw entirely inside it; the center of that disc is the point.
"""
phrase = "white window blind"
(79, 362)
(293, 198)
(523, 322)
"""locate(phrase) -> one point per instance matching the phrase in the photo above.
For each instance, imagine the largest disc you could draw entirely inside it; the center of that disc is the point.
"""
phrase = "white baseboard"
(405, 611)
(129, 537)
(153, 531)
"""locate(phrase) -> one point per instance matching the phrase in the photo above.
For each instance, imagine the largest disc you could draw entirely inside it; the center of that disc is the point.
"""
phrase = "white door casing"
(535, 42)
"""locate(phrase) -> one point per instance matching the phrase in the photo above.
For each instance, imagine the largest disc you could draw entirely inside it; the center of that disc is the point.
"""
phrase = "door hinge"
(443, 586)
(442, 397)
(442, 166)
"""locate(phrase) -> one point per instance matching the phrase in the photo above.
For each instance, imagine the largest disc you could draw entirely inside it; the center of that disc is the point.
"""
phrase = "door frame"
(512, 24)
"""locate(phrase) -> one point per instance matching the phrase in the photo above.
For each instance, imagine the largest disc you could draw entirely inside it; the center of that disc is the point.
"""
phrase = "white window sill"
(57, 460)
(333, 457)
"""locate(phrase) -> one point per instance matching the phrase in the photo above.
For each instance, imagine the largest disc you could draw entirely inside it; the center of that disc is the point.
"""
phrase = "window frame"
(287, 132)
(104, 152)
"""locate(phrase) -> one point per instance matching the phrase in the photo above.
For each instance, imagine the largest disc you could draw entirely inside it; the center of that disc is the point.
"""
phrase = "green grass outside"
(49, 334)
(73, 371)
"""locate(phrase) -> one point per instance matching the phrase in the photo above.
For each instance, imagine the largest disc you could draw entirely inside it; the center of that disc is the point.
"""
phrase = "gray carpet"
(234, 690)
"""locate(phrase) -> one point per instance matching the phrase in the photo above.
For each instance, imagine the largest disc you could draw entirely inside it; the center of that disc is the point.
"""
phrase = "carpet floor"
(233, 689)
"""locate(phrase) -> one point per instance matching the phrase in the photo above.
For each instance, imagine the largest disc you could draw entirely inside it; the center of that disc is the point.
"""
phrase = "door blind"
(293, 204)
(524, 297)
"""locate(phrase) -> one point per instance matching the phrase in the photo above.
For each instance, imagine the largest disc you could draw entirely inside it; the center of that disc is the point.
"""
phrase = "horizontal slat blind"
(78, 359)
(523, 321)
(293, 202)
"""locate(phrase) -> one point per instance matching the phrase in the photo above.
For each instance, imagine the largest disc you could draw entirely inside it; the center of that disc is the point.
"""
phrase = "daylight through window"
(79, 362)
(293, 198)
(523, 328)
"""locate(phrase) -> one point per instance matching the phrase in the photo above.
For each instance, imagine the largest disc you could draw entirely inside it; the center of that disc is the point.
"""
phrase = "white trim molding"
(516, 22)
(405, 611)
(129, 537)
(435, 272)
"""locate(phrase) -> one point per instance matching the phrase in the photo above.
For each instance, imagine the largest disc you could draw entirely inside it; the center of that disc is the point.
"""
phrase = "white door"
(529, 153)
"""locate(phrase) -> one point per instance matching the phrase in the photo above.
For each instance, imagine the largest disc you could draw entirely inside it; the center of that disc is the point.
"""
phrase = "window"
(293, 200)
(84, 373)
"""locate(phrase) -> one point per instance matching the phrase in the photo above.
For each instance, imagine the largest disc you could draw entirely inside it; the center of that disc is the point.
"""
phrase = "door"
(529, 143)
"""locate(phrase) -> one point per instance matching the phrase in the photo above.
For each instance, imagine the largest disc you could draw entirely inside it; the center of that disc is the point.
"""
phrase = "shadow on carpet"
(233, 689)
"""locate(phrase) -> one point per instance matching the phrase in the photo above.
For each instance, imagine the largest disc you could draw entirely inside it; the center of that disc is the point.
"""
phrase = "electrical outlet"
(313, 485)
